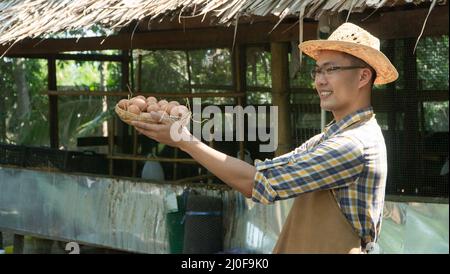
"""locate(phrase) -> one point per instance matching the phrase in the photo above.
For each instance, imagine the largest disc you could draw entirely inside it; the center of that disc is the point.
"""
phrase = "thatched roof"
(21, 19)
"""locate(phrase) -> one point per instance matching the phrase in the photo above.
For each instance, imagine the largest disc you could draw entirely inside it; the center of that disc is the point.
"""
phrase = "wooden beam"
(280, 95)
(405, 23)
(158, 159)
(239, 68)
(75, 57)
(159, 94)
(257, 33)
(210, 86)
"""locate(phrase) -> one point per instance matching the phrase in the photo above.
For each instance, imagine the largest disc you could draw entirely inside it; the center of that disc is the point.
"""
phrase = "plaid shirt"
(349, 158)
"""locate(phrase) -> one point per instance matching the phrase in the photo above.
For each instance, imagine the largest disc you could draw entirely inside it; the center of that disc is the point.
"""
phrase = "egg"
(183, 110)
(134, 109)
(123, 104)
(163, 105)
(169, 107)
(163, 113)
(162, 102)
(140, 103)
(151, 100)
(174, 103)
(179, 111)
(152, 107)
(141, 97)
(146, 116)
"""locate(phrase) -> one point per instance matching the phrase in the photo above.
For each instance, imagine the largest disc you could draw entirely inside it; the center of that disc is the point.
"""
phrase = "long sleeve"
(336, 162)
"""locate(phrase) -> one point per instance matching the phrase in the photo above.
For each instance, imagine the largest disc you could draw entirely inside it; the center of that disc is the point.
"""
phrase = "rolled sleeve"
(262, 190)
(334, 163)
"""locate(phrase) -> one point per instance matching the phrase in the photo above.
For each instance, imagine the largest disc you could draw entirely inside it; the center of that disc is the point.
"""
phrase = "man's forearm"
(234, 172)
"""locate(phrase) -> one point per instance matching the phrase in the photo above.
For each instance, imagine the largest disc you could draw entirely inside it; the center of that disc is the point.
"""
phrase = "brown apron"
(316, 224)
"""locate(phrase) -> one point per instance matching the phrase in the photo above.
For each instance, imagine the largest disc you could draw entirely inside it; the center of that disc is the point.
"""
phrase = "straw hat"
(351, 39)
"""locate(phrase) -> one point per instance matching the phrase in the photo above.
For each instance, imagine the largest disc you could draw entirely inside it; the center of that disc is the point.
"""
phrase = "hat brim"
(386, 72)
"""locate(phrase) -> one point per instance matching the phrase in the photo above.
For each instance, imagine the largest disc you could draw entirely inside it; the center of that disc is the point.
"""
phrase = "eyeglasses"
(327, 71)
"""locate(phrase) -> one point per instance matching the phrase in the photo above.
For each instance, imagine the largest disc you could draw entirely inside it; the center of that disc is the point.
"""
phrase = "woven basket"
(128, 117)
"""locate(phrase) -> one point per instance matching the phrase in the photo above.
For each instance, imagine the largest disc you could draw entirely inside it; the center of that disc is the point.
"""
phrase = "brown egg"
(140, 103)
(153, 107)
(123, 104)
(179, 111)
(146, 116)
(162, 102)
(169, 107)
(151, 100)
(134, 109)
(162, 112)
(183, 110)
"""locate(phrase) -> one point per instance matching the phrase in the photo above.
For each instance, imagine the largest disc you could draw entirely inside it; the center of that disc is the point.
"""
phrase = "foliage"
(25, 128)
(211, 67)
(436, 116)
(82, 117)
(168, 71)
(163, 71)
(432, 63)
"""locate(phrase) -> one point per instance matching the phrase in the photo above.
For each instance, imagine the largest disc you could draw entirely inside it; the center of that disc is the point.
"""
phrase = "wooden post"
(135, 134)
(111, 133)
(391, 95)
(53, 102)
(2, 119)
(135, 145)
(239, 68)
(411, 122)
(280, 98)
(280, 95)
(124, 142)
(139, 74)
(392, 148)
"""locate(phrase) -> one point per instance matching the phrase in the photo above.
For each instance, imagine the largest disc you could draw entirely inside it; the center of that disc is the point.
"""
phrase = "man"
(337, 177)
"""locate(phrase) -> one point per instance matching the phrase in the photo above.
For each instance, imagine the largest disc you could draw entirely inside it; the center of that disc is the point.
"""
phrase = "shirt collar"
(355, 117)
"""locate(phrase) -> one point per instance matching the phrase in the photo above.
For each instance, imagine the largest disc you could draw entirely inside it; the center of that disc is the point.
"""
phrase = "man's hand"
(166, 131)
(234, 172)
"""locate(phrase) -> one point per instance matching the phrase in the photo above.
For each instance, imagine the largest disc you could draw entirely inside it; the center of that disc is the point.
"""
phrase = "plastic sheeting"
(132, 215)
(415, 228)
